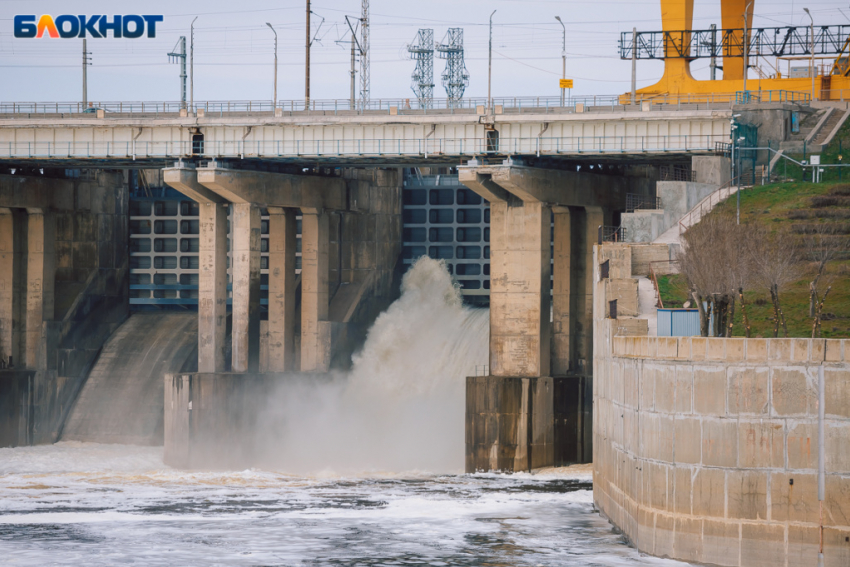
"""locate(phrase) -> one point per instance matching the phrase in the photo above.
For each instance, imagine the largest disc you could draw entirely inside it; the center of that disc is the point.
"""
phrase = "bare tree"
(776, 261)
(717, 265)
(820, 248)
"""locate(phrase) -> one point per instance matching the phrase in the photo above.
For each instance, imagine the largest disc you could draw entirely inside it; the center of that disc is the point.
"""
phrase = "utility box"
(678, 322)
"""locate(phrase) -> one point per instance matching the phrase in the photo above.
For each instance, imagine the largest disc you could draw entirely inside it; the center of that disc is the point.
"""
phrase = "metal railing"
(706, 205)
(745, 97)
(640, 202)
(375, 147)
(676, 173)
(611, 234)
(501, 105)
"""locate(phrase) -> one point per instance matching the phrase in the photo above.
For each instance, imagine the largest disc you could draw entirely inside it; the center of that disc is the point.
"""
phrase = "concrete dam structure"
(707, 449)
(289, 235)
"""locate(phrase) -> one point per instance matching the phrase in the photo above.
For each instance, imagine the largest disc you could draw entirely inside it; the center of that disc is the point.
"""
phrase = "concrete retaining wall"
(705, 449)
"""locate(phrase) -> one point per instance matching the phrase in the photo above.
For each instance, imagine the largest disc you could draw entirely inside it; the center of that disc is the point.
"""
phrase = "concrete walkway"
(647, 302)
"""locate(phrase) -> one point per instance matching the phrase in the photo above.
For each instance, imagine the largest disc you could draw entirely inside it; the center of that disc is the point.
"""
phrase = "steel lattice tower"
(422, 79)
(364, 53)
(455, 76)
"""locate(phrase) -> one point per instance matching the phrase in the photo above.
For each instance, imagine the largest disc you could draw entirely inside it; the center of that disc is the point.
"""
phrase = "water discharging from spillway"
(401, 407)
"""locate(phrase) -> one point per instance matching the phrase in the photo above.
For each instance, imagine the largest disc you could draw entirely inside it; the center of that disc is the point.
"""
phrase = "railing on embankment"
(707, 449)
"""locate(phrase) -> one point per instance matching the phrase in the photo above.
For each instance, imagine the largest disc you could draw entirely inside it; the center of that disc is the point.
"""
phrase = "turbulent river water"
(366, 469)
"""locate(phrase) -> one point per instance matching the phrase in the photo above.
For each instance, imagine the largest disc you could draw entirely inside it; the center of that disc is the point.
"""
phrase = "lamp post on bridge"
(274, 100)
(812, 52)
(563, 57)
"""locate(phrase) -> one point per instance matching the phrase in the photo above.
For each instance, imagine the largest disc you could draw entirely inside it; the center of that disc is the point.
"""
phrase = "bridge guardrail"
(504, 105)
(419, 147)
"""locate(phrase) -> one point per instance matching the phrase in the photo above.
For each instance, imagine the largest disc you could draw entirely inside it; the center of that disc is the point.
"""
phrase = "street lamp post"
(274, 100)
(563, 57)
(812, 51)
(490, 67)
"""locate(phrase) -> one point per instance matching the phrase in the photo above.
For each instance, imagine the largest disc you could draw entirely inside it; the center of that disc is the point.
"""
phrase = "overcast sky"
(234, 47)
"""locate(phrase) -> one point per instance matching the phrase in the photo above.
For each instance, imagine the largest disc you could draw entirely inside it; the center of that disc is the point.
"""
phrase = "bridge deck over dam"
(130, 139)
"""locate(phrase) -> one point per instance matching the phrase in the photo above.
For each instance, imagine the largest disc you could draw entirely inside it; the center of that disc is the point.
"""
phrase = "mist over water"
(401, 407)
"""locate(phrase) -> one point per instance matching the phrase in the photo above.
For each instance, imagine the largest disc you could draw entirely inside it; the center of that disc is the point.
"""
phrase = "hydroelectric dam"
(280, 290)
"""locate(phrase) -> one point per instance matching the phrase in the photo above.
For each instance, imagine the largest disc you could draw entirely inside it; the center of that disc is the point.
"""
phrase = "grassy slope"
(770, 205)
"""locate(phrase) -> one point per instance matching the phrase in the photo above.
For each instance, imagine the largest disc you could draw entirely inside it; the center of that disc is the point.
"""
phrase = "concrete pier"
(281, 325)
(315, 328)
(245, 275)
(539, 373)
(63, 287)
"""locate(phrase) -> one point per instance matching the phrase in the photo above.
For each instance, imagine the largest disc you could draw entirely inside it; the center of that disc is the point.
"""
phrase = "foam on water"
(399, 409)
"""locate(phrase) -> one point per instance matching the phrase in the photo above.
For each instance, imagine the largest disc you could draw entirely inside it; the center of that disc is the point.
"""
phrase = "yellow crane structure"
(678, 41)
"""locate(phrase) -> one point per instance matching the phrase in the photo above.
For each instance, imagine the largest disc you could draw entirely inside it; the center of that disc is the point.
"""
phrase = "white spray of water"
(401, 407)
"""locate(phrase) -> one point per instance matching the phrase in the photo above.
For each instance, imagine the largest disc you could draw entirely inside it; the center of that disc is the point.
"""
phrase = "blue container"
(678, 323)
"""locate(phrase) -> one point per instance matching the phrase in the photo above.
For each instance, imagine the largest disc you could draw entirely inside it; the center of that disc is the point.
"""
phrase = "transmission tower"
(455, 76)
(364, 53)
(178, 55)
(422, 51)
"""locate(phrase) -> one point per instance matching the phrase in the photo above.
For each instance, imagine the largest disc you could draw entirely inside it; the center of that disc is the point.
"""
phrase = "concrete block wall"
(705, 449)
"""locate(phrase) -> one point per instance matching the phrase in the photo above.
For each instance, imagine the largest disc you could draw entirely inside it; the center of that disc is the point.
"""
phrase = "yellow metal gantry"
(678, 83)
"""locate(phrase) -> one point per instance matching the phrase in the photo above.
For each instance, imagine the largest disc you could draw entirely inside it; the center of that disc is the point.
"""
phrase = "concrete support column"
(212, 287)
(12, 284)
(585, 224)
(245, 275)
(519, 289)
(315, 328)
(562, 239)
(41, 275)
(281, 327)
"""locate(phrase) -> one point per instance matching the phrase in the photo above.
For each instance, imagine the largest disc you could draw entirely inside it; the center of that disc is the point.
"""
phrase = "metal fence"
(418, 147)
(677, 173)
(639, 202)
(499, 105)
(611, 234)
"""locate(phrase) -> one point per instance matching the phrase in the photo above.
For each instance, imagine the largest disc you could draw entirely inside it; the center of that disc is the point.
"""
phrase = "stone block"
(761, 444)
(746, 493)
(735, 349)
(665, 389)
(837, 384)
(791, 391)
(682, 489)
(803, 545)
(817, 350)
(684, 388)
(837, 502)
(719, 442)
(762, 545)
(800, 350)
(684, 348)
(709, 497)
(715, 349)
(779, 349)
(664, 533)
(797, 502)
(688, 436)
(834, 350)
(710, 390)
(698, 348)
(687, 543)
(667, 347)
(756, 349)
(837, 444)
(748, 390)
(721, 542)
(802, 446)
(836, 547)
